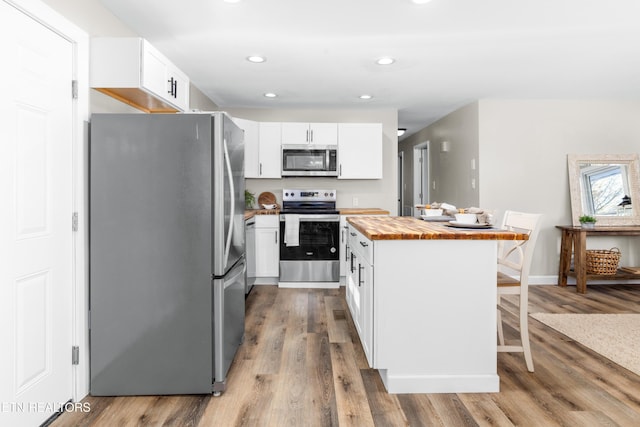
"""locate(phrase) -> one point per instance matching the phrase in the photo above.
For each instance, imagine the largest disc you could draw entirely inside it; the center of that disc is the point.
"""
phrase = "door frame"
(400, 183)
(421, 174)
(79, 39)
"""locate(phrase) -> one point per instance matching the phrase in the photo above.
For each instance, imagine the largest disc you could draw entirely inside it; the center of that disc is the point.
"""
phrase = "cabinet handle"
(342, 236)
(346, 253)
(170, 91)
(311, 139)
(351, 267)
(360, 268)
(307, 136)
(260, 173)
(340, 169)
(175, 88)
(364, 245)
(353, 234)
(276, 237)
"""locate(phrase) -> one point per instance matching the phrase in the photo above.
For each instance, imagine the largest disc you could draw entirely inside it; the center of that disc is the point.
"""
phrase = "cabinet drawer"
(267, 221)
(361, 244)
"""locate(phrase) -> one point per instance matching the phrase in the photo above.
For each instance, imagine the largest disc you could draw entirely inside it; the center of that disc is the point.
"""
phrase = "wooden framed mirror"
(606, 186)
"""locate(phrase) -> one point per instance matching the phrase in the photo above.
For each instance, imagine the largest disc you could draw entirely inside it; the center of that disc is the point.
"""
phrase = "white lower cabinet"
(360, 287)
(267, 246)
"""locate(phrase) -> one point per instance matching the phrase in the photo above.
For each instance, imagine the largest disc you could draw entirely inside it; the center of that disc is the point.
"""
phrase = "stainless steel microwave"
(309, 160)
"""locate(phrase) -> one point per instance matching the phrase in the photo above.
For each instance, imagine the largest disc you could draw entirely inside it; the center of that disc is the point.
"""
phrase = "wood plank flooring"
(302, 365)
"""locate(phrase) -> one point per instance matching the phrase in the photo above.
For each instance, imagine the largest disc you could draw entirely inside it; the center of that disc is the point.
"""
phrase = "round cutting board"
(266, 198)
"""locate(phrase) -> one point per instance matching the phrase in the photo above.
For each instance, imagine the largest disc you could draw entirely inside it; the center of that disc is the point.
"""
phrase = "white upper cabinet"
(251, 146)
(262, 151)
(132, 71)
(270, 152)
(360, 150)
(310, 133)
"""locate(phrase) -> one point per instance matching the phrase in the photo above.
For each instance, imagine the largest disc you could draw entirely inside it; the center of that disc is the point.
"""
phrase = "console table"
(574, 241)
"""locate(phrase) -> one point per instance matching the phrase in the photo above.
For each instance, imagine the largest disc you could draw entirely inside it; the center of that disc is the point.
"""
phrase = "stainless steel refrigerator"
(167, 252)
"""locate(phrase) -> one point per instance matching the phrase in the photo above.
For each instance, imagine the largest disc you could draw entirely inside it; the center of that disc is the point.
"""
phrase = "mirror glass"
(604, 186)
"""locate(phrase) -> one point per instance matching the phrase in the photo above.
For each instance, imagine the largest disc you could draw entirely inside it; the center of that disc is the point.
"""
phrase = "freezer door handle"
(232, 278)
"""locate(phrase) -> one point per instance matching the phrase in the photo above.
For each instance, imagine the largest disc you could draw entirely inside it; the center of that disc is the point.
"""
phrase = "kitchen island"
(423, 299)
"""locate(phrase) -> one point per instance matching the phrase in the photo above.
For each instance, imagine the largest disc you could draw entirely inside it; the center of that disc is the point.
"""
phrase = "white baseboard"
(553, 280)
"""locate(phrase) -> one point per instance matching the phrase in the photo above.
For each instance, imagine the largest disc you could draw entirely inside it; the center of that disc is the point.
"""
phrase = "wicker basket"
(602, 261)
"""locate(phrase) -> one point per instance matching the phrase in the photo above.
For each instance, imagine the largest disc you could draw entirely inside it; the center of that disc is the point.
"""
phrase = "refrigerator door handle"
(233, 200)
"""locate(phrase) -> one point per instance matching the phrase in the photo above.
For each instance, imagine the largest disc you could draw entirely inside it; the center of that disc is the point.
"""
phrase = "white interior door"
(36, 119)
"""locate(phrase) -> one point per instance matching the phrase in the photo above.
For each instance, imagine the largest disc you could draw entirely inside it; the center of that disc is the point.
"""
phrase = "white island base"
(434, 315)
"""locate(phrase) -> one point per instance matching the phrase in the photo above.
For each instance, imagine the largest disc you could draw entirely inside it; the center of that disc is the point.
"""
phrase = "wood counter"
(409, 228)
(250, 213)
(362, 211)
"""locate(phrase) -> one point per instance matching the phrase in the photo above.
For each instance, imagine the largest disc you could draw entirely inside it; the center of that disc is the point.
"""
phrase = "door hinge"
(75, 355)
(74, 221)
(74, 89)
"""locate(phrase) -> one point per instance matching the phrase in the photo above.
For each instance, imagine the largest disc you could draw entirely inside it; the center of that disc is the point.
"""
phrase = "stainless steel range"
(309, 244)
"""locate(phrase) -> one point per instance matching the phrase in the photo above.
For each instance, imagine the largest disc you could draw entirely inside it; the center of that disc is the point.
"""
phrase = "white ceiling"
(448, 52)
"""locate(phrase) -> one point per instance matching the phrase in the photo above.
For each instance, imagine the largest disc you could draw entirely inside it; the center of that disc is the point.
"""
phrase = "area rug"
(615, 336)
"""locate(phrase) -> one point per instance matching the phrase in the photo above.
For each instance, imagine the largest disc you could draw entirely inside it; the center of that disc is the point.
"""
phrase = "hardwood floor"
(302, 365)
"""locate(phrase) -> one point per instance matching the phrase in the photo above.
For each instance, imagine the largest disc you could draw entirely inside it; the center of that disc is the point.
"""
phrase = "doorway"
(420, 175)
(401, 183)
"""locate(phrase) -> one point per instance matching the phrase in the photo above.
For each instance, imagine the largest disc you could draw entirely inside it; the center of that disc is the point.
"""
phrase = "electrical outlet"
(355, 201)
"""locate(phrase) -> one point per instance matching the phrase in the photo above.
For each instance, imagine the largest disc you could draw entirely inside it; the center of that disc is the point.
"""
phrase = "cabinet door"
(250, 238)
(366, 309)
(177, 87)
(154, 70)
(267, 252)
(351, 291)
(270, 153)
(360, 150)
(343, 249)
(323, 133)
(295, 133)
(251, 147)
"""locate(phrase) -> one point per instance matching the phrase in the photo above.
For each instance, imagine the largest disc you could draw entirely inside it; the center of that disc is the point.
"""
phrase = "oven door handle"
(315, 218)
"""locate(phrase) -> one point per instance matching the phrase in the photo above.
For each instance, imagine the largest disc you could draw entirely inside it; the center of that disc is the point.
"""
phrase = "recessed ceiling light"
(366, 96)
(270, 95)
(232, 1)
(385, 60)
(257, 59)
(420, 1)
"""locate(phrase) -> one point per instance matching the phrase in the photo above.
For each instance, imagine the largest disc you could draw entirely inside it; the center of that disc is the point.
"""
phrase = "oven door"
(316, 258)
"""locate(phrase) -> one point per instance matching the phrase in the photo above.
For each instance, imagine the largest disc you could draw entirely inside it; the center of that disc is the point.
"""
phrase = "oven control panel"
(308, 195)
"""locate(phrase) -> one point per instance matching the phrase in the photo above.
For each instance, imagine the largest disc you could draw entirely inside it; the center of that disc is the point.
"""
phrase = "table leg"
(566, 244)
(580, 261)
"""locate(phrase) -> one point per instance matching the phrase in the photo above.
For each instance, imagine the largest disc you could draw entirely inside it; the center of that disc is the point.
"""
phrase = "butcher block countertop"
(362, 211)
(409, 228)
(250, 213)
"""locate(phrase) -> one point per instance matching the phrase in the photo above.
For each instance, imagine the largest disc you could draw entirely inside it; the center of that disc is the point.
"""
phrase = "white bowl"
(466, 218)
(269, 206)
(433, 212)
